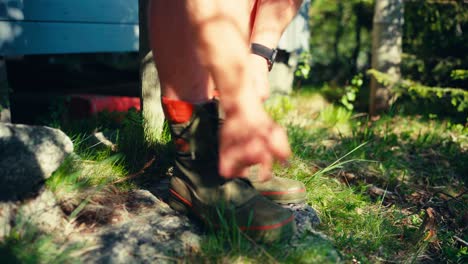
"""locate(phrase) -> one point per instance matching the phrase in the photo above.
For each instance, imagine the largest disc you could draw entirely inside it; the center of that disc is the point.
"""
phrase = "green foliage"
(459, 74)
(340, 39)
(77, 174)
(351, 91)
(131, 140)
(434, 51)
(435, 41)
(278, 107)
(404, 155)
(27, 244)
(458, 98)
(334, 116)
(303, 68)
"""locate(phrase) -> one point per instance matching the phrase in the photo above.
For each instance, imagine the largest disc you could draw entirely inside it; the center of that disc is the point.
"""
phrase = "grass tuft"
(27, 244)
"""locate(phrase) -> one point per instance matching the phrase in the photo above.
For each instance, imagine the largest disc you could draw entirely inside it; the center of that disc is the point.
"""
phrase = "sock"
(177, 111)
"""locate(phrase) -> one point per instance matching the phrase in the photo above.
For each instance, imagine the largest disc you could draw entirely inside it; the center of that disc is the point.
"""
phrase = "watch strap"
(265, 52)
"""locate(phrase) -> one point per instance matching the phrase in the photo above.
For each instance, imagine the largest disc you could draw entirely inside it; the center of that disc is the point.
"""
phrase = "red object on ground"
(86, 105)
(177, 111)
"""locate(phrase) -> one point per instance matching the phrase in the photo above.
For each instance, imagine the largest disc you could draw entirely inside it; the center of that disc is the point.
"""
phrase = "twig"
(359, 115)
(461, 240)
(140, 172)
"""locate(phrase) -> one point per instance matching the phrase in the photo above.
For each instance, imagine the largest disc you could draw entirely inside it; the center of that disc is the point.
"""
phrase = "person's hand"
(249, 136)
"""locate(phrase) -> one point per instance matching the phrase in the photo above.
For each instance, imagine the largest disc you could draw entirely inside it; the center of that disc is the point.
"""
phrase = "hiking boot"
(278, 189)
(197, 188)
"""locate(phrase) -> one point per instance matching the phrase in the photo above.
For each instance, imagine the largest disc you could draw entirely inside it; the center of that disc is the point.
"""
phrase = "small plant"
(333, 115)
(351, 91)
(278, 107)
(303, 67)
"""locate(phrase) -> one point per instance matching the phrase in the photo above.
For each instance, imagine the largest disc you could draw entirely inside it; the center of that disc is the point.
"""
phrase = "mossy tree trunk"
(153, 116)
(386, 50)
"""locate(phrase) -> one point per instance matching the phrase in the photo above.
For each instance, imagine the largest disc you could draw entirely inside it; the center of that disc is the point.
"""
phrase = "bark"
(153, 116)
(386, 49)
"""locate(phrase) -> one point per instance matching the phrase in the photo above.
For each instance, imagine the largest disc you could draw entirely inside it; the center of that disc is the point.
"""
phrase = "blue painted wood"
(24, 38)
(89, 11)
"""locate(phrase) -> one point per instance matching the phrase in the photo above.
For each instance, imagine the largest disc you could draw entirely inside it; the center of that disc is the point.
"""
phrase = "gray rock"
(305, 216)
(28, 156)
(42, 213)
(157, 235)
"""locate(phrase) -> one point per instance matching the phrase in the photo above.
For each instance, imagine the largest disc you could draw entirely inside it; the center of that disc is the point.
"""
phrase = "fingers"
(265, 169)
(231, 164)
(279, 145)
(237, 157)
(262, 147)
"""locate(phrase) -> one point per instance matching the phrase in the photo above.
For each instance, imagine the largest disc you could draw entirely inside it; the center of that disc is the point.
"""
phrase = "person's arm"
(272, 18)
(248, 135)
(221, 32)
(270, 21)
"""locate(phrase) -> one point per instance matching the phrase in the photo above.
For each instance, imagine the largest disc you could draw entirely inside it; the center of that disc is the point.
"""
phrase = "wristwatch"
(265, 52)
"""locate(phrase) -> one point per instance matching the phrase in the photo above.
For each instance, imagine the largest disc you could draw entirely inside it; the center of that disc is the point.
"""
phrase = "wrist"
(259, 63)
(268, 54)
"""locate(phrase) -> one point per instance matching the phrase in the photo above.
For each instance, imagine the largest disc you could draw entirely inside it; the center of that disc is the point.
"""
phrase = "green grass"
(374, 183)
(420, 162)
(27, 244)
(90, 185)
(416, 163)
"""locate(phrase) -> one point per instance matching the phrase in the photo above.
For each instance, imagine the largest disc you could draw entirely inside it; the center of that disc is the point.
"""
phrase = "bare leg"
(174, 46)
(180, 70)
(194, 41)
(178, 41)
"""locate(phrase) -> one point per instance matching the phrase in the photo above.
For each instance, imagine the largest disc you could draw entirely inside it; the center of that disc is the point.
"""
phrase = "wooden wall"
(68, 26)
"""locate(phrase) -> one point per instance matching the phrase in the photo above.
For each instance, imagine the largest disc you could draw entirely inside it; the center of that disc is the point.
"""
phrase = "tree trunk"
(357, 8)
(338, 33)
(153, 116)
(386, 49)
(4, 94)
